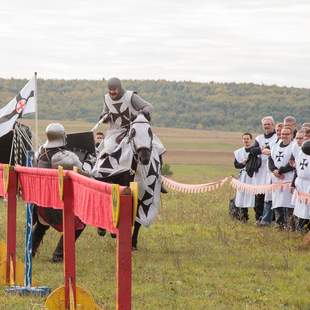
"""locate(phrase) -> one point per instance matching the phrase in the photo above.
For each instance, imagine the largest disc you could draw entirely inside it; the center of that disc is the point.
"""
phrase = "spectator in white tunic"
(301, 183)
(282, 172)
(243, 200)
(299, 139)
(262, 147)
(302, 223)
(267, 216)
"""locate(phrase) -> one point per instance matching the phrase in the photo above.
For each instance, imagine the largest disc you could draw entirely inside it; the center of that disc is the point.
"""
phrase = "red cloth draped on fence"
(39, 186)
(92, 200)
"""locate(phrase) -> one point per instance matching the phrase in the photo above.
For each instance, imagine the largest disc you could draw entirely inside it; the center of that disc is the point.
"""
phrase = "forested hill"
(224, 106)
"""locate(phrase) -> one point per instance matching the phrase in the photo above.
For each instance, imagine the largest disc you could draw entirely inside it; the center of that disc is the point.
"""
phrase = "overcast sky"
(260, 41)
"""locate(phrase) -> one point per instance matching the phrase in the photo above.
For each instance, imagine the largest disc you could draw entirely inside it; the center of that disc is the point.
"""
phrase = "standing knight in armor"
(52, 154)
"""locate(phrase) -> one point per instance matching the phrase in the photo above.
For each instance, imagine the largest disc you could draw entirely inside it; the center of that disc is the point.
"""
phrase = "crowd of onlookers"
(278, 160)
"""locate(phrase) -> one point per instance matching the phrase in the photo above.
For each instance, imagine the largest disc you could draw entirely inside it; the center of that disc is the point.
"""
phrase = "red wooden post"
(11, 227)
(69, 242)
(123, 255)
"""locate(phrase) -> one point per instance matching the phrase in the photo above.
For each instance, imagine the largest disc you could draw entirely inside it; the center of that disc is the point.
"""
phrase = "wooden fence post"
(11, 228)
(69, 244)
(123, 255)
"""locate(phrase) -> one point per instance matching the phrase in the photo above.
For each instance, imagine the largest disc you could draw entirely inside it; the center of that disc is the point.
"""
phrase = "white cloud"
(243, 41)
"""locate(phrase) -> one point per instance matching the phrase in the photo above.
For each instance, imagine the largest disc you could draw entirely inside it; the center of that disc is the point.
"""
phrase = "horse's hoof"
(33, 253)
(113, 236)
(101, 232)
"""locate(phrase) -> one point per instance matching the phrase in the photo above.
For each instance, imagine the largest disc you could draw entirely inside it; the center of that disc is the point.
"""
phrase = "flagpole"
(36, 111)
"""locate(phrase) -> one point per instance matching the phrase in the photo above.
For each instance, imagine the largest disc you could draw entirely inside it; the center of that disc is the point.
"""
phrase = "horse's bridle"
(130, 138)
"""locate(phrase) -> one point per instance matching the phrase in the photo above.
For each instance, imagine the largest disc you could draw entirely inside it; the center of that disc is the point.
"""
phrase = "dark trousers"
(243, 214)
(259, 206)
(290, 219)
(279, 215)
(302, 225)
(267, 213)
(284, 216)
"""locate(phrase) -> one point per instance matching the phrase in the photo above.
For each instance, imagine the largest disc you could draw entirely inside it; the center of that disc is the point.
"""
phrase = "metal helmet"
(56, 136)
(306, 147)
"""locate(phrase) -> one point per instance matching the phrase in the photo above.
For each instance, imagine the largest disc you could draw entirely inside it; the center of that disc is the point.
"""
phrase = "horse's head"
(141, 138)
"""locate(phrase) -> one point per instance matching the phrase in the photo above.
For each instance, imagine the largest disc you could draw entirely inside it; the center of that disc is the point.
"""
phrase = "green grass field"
(194, 256)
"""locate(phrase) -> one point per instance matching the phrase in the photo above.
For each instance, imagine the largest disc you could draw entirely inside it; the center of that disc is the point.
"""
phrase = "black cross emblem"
(303, 164)
(280, 156)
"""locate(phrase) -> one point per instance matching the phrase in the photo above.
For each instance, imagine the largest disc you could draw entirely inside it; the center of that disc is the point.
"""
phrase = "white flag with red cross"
(23, 103)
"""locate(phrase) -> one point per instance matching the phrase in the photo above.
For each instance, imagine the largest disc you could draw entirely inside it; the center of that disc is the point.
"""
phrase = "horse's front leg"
(134, 239)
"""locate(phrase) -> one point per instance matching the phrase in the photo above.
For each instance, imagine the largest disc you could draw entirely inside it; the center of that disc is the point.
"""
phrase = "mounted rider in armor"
(119, 108)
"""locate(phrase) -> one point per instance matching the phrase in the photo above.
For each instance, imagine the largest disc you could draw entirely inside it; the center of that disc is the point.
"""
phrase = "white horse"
(134, 156)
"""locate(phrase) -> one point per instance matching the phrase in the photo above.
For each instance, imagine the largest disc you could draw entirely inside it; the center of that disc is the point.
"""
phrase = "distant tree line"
(221, 106)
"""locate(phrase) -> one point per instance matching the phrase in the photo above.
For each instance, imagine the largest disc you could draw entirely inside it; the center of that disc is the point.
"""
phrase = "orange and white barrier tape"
(259, 189)
(302, 197)
(193, 188)
(235, 183)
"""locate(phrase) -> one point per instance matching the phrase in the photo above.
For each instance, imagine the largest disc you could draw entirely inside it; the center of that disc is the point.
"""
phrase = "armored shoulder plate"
(66, 159)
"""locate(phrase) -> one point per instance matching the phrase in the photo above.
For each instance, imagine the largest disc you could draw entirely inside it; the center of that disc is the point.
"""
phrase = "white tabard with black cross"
(243, 199)
(262, 176)
(302, 184)
(121, 111)
(281, 156)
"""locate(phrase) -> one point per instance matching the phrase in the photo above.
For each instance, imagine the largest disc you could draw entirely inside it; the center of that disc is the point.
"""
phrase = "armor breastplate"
(66, 159)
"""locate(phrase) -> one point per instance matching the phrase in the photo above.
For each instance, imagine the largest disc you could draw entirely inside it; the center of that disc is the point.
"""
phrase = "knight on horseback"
(51, 154)
(121, 109)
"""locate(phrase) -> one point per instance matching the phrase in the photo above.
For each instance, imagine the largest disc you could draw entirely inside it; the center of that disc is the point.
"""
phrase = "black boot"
(38, 233)
(101, 231)
(58, 255)
(134, 238)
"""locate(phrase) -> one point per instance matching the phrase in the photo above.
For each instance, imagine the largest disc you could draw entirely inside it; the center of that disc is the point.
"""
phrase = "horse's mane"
(139, 118)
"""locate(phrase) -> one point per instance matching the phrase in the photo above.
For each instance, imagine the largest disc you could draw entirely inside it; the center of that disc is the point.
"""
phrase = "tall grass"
(193, 257)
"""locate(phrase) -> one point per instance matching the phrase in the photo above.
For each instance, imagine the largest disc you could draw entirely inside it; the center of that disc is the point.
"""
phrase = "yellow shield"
(134, 190)
(6, 172)
(115, 204)
(61, 182)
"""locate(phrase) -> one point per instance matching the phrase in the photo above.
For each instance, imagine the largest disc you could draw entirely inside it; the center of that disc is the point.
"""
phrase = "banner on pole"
(24, 103)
